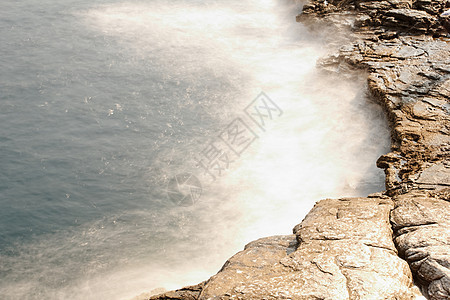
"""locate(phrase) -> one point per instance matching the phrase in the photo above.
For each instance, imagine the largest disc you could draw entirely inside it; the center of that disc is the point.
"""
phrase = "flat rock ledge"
(343, 249)
(393, 244)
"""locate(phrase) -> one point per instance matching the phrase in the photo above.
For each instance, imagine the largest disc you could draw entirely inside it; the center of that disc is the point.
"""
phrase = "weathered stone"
(415, 92)
(408, 52)
(342, 250)
(403, 17)
(422, 235)
(186, 293)
(256, 272)
(436, 174)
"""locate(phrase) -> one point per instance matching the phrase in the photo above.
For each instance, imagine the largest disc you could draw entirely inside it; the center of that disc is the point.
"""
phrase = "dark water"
(103, 102)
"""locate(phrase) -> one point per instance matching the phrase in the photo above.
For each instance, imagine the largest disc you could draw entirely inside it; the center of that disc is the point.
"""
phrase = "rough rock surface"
(186, 293)
(422, 234)
(408, 72)
(342, 250)
(354, 248)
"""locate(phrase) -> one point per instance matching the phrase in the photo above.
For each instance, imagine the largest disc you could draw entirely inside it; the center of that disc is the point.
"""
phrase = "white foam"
(324, 145)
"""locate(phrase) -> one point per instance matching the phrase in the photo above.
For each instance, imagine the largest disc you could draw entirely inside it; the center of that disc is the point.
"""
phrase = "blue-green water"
(102, 102)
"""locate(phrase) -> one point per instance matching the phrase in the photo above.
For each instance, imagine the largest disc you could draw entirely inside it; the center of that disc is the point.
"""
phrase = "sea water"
(104, 102)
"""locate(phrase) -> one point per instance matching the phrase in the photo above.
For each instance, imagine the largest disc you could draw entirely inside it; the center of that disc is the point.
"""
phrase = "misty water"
(103, 102)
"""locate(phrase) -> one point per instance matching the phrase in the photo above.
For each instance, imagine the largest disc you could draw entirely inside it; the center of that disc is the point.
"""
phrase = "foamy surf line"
(324, 145)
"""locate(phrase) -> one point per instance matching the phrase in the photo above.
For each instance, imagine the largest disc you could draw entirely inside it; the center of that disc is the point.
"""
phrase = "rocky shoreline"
(393, 244)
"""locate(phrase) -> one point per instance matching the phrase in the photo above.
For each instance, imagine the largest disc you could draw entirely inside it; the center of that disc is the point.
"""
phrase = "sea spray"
(133, 91)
